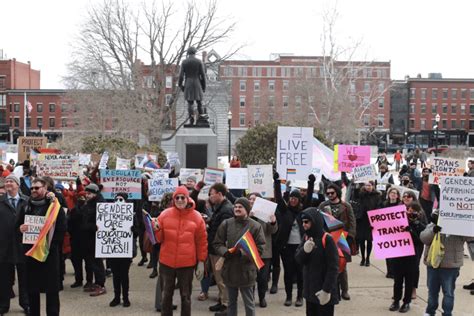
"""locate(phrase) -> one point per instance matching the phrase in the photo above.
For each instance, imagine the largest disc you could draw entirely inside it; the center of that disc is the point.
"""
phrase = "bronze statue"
(194, 77)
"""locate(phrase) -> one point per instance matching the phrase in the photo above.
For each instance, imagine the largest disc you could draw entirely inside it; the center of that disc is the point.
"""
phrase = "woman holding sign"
(393, 199)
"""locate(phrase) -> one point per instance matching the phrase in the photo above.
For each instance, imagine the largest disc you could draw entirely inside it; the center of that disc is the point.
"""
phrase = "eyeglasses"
(35, 188)
(180, 197)
(407, 197)
(305, 221)
(330, 193)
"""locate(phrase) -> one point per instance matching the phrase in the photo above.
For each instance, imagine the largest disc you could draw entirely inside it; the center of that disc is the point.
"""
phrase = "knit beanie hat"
(14, 178)
(181, 190)
(93, 188)
(296, 194)
(244, 202)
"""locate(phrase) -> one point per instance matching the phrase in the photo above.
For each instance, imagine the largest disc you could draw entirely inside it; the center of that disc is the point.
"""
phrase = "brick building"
(452, 99)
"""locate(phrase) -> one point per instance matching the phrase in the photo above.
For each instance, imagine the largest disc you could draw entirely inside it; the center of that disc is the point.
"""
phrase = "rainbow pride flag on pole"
(247, 244)
(40, 249)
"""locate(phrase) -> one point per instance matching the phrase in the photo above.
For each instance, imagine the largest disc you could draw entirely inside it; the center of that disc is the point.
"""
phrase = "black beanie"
(296, 194)
(244, 202)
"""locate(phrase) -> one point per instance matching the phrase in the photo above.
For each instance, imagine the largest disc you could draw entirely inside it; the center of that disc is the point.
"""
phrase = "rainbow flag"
(40, 249)
(247, 244)
(339, 237)
(332, 223)
(290, 171)
(149, 229)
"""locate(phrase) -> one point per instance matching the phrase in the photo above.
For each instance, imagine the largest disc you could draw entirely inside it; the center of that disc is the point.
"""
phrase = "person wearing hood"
(181, 231)
(318, 255)
(238, 270)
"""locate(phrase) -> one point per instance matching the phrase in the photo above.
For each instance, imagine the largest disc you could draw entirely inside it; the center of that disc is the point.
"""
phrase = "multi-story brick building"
(452, 99)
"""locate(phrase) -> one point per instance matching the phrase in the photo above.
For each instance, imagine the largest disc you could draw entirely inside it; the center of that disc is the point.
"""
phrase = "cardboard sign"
(65, 167)
(184, 173)
(294, 152)
(84, 159)
(264, 209)
(35, 224)
(26, 144)
(351, 156)
(125, 181)
(213, 175)
(364, 173)
(236, 178)
(114, 237)
(122, 164)
(390, 238)
(261, 179)
(445, 167)
(158, 187)
(456, 212)
(104, 160)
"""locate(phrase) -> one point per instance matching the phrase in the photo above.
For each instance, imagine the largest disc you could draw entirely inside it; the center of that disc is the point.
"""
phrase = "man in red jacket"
(182, 233)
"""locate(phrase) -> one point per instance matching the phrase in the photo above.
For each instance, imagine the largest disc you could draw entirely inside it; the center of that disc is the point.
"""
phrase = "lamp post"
(229, 119)
(436, 127)
(406, 137)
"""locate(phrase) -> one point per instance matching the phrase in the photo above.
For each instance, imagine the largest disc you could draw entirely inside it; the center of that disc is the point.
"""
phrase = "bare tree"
(127, 96)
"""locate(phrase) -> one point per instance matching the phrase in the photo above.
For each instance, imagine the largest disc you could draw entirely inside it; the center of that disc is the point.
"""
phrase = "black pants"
(389, 263)
(7, 277)
(154, 256)
(314, 309)
(120, 269)
(52, 303)
(275, 262)
(292, 269)
(427, 207)
(262, 278)
(404, 272)
(97, 265)
(168, 278)
(418, 253)
(76, 258)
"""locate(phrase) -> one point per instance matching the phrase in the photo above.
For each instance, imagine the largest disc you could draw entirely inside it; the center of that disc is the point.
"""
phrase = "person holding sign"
(182, 233)
(393, 199)
(384, 178)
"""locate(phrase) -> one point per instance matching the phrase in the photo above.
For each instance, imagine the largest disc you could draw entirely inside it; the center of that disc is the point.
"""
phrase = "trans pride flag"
(247, 244)
(40, 249)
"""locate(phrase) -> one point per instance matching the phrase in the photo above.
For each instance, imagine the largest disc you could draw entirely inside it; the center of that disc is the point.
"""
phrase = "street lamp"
(229, 119)
(436, 127)
(406, 137)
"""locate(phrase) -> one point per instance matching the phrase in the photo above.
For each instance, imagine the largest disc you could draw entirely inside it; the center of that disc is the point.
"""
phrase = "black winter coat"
(368, 201)
(219, 214)
(11, 249)
(89, 225)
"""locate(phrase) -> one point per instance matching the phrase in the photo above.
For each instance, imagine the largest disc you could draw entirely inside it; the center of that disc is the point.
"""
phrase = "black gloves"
(229, 255)
(312, 178)
(276, 176)
(436, 229)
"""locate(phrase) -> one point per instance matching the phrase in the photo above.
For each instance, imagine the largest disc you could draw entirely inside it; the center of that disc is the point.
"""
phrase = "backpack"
(342, 259)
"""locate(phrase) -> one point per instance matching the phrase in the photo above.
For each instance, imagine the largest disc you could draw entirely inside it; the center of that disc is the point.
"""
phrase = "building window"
(463, 94)
(434, 108)
(445, 124)
(242, 101)
(453, 108)
(453, 124)
(271, 85)
(286, 72)
(365, 101)
(52, 122)
(471, 92)
(256, 118)
(286, 85)
(381, 103)
(52, 107)
(412, 93)
(169, 82)
(471, 124)
(412, 108)
(243, 85)
(39, 107)
(257, 71)
(298, 101)
(271, 101)
(256, 85)
(423, 124)
(423, 108)
(367, 86)
(463, 109)
(299, 72)
(17, 122)
(242, 71)
(63, 122)
(148, 81)
(256, 101)
(462, 124)
(434, 94)
(381, 86)
(471, 109)
(64, 107)
(384, 73)
(28, 122)
(423, 94)
(445, 108)
(39, 122)
(271, 72)
(3, 100)
(366, 119)
(2, 83)
(16, 107)
(454, 93)
(242, 119)
(380, 120)
(445, 94)
(412, 123)
(228, 71)
(285, 101)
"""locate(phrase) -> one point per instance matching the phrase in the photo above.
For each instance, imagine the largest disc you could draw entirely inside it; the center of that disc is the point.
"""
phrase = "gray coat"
(194, 77)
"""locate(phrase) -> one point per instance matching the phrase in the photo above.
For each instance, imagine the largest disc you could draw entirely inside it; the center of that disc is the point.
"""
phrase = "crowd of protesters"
(195, 239)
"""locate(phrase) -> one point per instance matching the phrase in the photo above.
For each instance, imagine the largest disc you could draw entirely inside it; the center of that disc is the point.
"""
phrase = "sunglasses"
(305, 221)
(330, 193)
(180, 197)
(407, 197)
(35, 188)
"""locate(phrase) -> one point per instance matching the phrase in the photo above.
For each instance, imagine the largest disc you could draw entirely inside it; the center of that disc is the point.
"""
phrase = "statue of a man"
(194, 77)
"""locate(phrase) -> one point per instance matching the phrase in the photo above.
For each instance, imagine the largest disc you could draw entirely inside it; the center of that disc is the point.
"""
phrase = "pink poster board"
(390, 238)
(350, 156)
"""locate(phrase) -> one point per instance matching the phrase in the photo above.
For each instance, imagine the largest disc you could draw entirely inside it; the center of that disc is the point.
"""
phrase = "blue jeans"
(446, 280)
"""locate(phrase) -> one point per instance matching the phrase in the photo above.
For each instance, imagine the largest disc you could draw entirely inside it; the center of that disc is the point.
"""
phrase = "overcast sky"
(419, 36)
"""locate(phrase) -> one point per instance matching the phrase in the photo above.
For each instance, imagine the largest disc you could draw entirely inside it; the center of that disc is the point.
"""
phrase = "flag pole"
(24, 115)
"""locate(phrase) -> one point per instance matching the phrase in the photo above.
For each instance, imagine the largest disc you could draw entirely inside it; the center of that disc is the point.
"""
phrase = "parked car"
(441, 149)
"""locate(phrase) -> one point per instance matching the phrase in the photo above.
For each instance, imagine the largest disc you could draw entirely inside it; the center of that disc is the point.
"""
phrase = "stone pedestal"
(197, 147)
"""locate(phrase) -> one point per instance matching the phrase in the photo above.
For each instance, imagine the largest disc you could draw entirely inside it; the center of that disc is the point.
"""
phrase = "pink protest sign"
(390, 238)
(350, 156)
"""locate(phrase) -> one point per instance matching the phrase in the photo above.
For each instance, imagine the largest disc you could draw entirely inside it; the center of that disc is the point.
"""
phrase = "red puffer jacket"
(183, 237)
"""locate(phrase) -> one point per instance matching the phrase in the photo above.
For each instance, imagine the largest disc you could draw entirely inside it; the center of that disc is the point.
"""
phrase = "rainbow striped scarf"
(40, 249)
(247, 244)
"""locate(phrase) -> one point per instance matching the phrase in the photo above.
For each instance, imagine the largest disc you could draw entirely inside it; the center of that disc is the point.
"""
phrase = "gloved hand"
(199, 271)
(229, 255)
(324, 297)
(312, 178)
(436, 229)
(308, 245)
(408, 229)
(276, 176)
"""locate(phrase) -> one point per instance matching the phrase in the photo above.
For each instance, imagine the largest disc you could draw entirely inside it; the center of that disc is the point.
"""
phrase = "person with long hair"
(393, 199)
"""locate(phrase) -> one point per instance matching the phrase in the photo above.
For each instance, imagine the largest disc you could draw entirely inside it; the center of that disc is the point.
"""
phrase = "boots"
(275, 277)
(116, 300)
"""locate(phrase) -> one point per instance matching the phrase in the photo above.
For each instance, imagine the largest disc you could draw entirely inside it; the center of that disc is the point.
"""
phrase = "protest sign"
(35, 224)
(146, 161)
(351, 156)
(404, 189)
(184, 173)
(213, 175)
(456, 212)
(158, 187)
(160, 174)
(121, 181)
(263, 209)
(65, 167)
(236, 178)
(390, 238)
(445, 167)
(364, 173)
(336, 158)
(104, 160)
(114, 234)
(122, 164)
(26, 144)
(172, 159)
(294, 152)
(84, 159)
(261, 179)
(204, 193)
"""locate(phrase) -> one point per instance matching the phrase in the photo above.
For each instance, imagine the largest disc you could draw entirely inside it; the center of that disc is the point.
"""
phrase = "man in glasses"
(342, 211)
(181, 231)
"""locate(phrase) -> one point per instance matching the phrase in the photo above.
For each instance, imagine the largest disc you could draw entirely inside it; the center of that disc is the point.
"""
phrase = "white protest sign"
(184, 173)
(114, 234)
(294, 152)
(160, 174)
(104, 160)
(445, 167)
(263, 209)
(158, 187)
(57, 166)
(172, 159)
(456, 211)
(213, 175)
(34, 224)
(122, 164)
(364, 173)
(236, 178)
(261, 179)
(84, 159)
